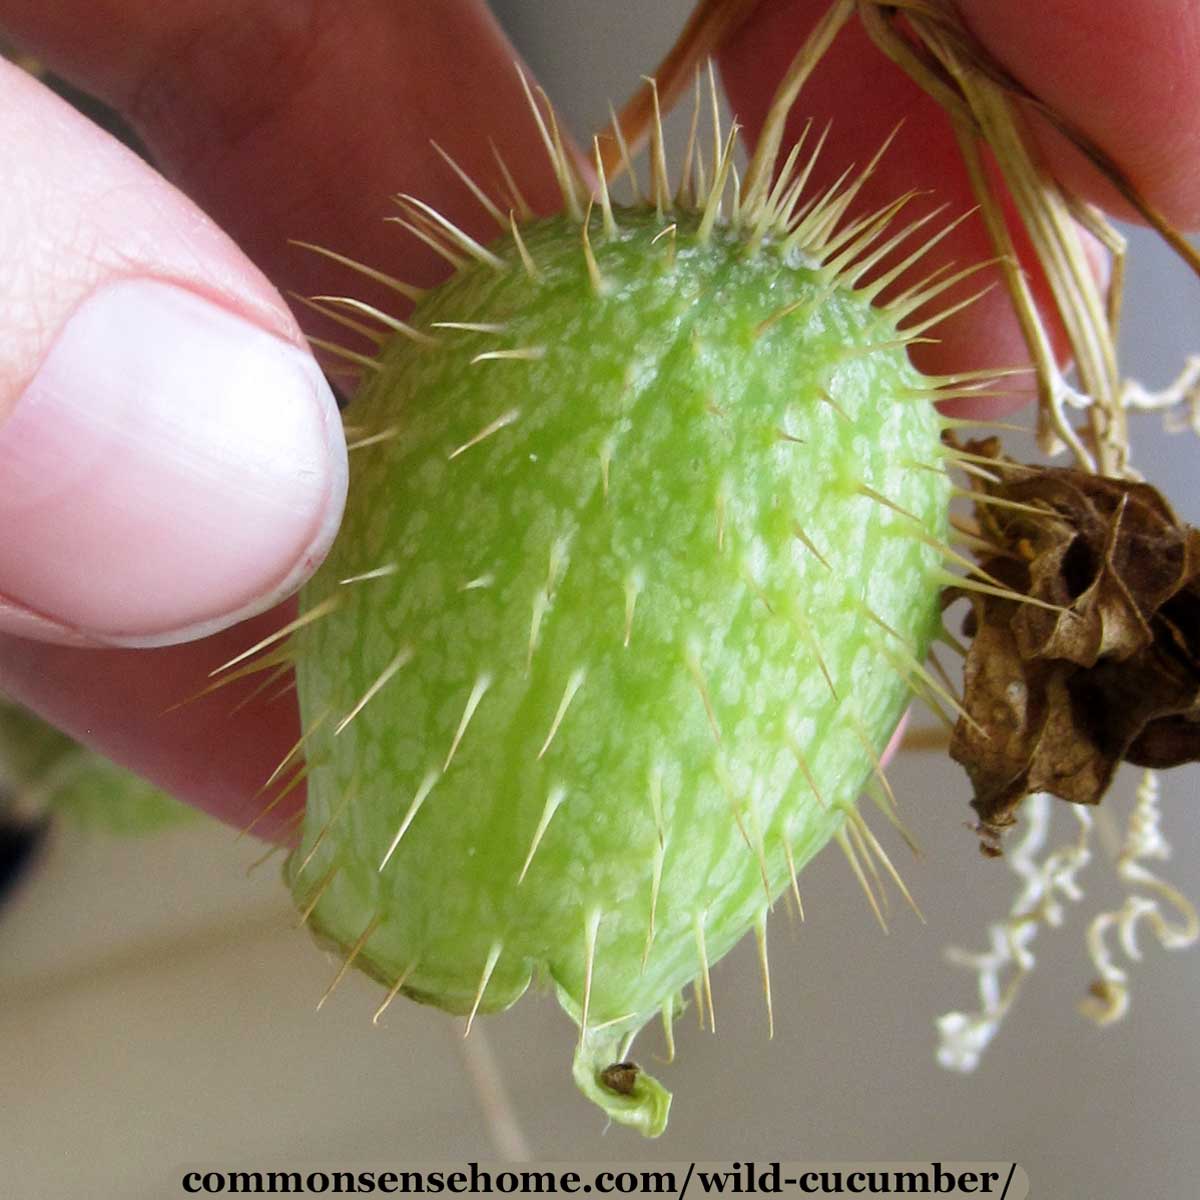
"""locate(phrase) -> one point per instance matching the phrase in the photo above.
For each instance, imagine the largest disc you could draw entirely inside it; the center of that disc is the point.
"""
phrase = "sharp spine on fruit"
(668, 233)
(807, 542)
(599, 286)
(848, 850)
(610, 222)
(843, 249)
(790, 216)
(343, 804)
(373, 439)
(881, 249)
(377, 573)
(290, 686)
(704, 981)
(403, 658)
(394, 990)
(531, 268)
(476, 191)
(692, 661)
(326, 310)
(807, 632)
(979, 497)
(405, 289)
(328, 605)
(271, 851)
(353, 953)
(727, 786)
(478, 689)
(659, 182)
(574, 683)
(431, 777)
(656, 808)
(656, 870)
(685, 194)
(480, 581)
(913, 298)
(322, 887)
(905, 660)
(760, 939)
(424, 231)
(457, 237)
(634, 582)
(286, 760)
(557, 795)
(860, 848)
(564, 170)
(915, 331)
(590, 929)
(541, 602)
(975, 472)
(488, 967)
(388, 322)
(769, 214)
(472, 326)
(521, 353)
(520, 204)
(722, 502)
(283, 656)
(792, 873)
(848, 352)
(949, 579)
(801, 303)
(870, 493)
(876, 761)
(839, 204)
(957, 454)
(802, 762)
(756, 588)
(713, 205)
(626, 158)
(872, 843)
(501, 422)
(359, 360)
(274, 677)
(816, 218)
(606, 455)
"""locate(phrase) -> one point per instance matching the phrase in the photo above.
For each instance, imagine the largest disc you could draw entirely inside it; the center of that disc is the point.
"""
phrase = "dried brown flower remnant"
(1108, 670)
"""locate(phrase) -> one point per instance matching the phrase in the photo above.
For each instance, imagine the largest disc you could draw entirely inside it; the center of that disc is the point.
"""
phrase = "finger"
(1125, 75)
(454, 79)
(170, 457)
(288, 119)
(863, 97)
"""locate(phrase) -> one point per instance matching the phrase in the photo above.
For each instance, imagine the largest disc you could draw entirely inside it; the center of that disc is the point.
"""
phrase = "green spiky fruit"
(638, 565)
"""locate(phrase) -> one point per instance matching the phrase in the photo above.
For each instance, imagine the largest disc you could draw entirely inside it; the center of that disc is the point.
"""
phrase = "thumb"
(171, 460)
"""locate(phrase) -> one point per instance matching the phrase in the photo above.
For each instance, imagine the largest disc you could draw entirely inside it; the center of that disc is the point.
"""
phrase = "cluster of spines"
(844, 253)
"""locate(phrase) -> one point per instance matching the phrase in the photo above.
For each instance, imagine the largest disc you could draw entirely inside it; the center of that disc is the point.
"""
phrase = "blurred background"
(157, 1004)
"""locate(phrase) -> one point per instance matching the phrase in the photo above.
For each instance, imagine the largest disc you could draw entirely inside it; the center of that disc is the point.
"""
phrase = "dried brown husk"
(1104, 666)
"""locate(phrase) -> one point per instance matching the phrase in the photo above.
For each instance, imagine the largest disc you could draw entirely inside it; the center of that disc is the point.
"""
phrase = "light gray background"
(156, 1008)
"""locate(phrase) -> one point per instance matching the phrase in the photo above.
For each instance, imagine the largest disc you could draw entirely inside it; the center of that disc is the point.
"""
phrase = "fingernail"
(171, 469)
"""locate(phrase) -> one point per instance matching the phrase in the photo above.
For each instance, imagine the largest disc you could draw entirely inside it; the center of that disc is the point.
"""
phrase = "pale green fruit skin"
(647, 456)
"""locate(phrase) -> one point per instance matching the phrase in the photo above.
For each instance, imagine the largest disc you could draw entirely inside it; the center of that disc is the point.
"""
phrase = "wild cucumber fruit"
(641, 559)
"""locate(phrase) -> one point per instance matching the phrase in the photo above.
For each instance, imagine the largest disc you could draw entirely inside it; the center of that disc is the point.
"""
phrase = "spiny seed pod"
(641, 561)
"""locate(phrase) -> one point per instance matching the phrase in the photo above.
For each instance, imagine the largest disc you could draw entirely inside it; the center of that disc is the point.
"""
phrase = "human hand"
(1123, 74)
(284, 119)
